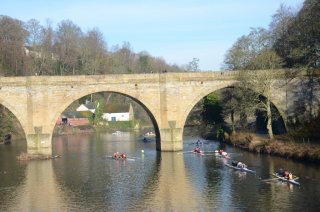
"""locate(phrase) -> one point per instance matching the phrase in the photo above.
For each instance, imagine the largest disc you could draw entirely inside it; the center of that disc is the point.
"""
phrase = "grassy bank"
(280, 146)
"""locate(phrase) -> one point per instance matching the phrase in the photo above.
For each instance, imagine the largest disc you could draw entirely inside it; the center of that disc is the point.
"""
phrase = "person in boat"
(123, 155)
(280, 172)
(198, 142)
(197, 150)
(234, 163)
(223, 153)
(241, 165)
(116, 155)
(290, 176)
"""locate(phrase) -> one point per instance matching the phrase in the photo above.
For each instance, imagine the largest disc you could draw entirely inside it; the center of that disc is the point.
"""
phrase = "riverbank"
(280, 146)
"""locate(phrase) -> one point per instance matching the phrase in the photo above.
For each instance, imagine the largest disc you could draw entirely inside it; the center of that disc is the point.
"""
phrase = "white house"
(115, 112)
(89, 106)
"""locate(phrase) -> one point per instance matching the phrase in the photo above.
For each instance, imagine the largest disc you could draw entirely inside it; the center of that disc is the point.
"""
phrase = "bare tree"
(93, 52)
(68, 44)
(12, 39)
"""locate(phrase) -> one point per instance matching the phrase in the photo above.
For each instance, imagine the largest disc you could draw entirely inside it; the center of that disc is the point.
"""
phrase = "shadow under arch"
(69, 102)
(208, 91)
(17, 118)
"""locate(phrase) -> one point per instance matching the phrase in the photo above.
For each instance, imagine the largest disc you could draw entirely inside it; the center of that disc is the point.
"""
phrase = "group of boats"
(284, 176)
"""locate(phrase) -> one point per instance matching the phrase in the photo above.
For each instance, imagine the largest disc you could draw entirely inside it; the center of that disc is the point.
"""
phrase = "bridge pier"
(171, 140)
(39, 143)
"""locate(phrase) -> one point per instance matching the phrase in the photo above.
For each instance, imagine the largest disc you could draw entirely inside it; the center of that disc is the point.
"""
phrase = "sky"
(174, 30)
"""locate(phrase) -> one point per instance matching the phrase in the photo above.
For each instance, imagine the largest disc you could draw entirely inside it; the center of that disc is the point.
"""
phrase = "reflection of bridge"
(38, 101)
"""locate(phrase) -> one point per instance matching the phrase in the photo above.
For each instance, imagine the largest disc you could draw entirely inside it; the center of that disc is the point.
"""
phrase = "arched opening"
(108, 111)
(224, 115)
(12, 143)
(11, 130)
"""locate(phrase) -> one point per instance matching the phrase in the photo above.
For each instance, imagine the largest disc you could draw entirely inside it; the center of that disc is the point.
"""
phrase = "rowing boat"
(240, 169)
(120, 158)
(198, 153)
(292, 181)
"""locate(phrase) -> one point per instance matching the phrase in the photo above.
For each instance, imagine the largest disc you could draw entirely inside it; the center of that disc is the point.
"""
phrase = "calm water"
(85, 178)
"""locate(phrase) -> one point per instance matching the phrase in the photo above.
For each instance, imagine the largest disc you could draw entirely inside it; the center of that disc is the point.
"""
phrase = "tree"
(48, 58)
(254, 52)
(68, 46)
(6, 123)
(12, 39)
(261, 83)
(96, 118)
(279, 27)
(236, 104)
(145, 62)
(93, 51)
(193, 65)
(212, 110)
(246, 48)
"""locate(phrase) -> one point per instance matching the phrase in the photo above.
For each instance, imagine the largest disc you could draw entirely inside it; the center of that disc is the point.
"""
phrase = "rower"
(197, 150)
(123, 155)
(241, 165)
(234, 163)
(116, 155)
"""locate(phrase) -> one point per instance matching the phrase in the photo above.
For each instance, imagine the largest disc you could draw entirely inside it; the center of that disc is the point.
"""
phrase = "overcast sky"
(177, 31)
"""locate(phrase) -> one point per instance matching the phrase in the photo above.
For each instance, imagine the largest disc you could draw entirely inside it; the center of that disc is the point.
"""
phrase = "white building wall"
(116, 116)
(84, 108)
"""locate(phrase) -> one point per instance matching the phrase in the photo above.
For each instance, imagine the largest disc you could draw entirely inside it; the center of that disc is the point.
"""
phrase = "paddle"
(267, 180)
(179, 153)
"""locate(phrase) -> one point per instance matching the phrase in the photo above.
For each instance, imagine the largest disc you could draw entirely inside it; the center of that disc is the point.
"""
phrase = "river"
(85, 178)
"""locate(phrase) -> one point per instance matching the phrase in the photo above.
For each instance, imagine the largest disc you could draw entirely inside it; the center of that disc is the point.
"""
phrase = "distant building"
(89, 106)
(116, 112)
(74, 118)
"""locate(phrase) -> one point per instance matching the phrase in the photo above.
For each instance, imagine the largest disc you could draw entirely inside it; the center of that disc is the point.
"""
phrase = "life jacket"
(286, 174)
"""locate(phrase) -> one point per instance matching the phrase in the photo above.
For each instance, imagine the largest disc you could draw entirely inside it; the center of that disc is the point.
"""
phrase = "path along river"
(85, 178)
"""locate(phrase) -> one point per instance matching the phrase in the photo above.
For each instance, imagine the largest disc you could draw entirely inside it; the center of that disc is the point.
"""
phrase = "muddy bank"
(27, 157)
(280, 146)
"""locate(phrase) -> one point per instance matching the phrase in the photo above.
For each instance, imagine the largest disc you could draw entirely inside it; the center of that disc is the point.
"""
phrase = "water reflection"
(173, 189)
(86, 178)
(40, 191)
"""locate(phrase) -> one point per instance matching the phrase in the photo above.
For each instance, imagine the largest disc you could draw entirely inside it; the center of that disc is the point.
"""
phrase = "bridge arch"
(19, 116)
(208, 90)
(148, 108)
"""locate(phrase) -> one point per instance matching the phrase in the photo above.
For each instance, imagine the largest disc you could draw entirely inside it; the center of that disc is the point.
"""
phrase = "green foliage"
(96, 118)
(212, 110)
(122, 125)
(220, 134)
(303, 37)
(6, 123)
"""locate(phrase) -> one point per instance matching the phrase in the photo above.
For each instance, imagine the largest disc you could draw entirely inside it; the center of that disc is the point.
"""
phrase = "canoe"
(293, 181)
(240, 169)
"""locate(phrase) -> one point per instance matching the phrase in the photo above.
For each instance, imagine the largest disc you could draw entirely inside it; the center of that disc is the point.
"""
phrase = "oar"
(184, 152)
(270, 179)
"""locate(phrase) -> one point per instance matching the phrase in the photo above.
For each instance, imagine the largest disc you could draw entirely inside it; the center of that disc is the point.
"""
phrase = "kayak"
(240, 169)
(293, 181)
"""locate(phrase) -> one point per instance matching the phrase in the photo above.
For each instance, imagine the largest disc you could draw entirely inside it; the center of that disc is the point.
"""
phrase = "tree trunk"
(269, 117)
(232, 122)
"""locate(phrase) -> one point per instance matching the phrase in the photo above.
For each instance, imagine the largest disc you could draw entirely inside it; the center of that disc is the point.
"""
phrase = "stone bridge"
(38, 101)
